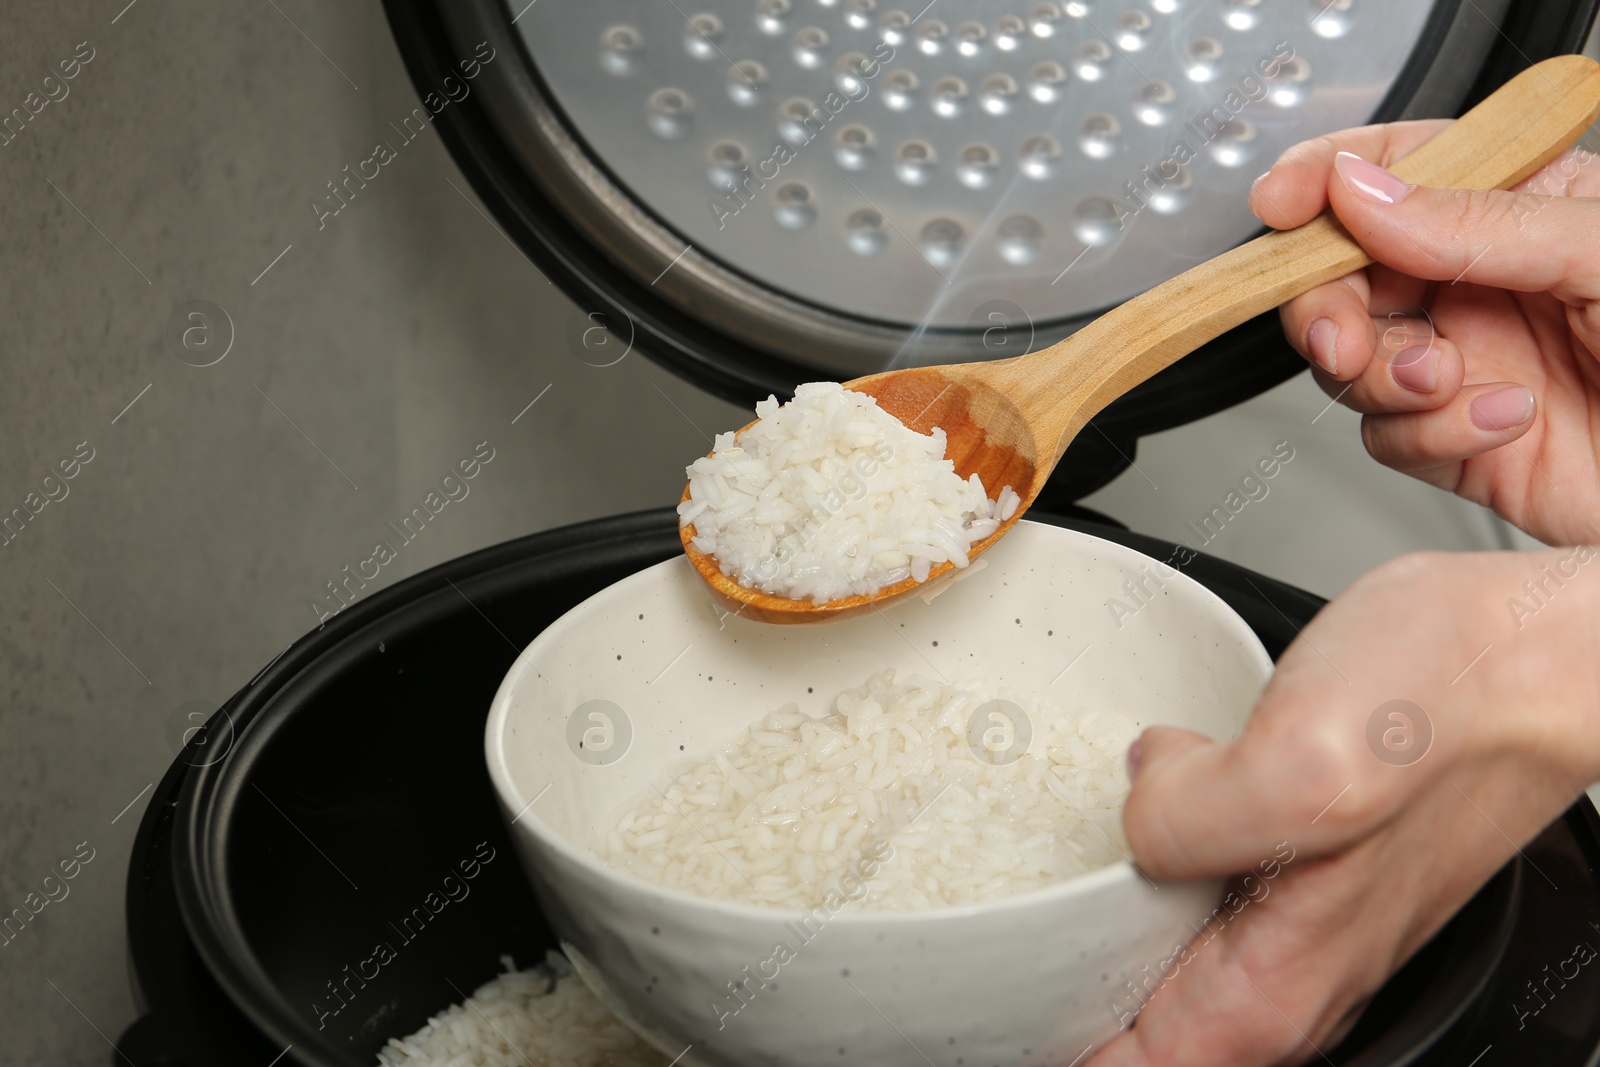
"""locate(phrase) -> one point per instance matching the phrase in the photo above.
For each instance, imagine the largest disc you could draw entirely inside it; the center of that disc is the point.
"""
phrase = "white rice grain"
(544, 1016)
(830, 496)
(891, 762)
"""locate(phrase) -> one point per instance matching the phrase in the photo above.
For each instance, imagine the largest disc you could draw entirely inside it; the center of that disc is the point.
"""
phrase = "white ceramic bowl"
(1035, 978)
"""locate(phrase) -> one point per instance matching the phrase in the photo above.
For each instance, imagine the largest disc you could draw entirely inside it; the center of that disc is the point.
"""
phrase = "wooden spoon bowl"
(1009, 421)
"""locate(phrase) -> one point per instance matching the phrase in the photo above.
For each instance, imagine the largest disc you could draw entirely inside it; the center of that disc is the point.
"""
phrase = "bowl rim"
(1125, 872)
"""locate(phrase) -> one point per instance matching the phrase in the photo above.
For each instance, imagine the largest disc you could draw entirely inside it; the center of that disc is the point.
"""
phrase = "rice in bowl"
(963, 794)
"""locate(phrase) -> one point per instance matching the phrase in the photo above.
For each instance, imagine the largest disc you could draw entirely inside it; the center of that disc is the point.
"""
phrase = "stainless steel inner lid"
(909, 165)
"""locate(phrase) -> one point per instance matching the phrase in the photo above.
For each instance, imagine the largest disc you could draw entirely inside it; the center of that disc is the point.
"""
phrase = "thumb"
(1509, 240)
(1199, 809)
(1172, 836)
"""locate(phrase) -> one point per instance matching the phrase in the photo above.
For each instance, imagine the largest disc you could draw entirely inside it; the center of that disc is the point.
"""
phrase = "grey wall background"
(396, 338)
(374, 354)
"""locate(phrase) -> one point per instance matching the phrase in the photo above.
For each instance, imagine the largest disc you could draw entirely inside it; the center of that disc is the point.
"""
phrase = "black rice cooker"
(733, 188)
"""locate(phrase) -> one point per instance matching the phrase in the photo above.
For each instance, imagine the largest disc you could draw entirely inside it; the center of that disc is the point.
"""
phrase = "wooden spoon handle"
(1525, 124)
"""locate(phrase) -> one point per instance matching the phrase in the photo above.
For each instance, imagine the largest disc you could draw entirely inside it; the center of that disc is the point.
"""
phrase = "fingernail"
(1322, 338)
(1417, 369)
(1370, 181)
(1502, 409)
(1135, 758)
(1256, 185)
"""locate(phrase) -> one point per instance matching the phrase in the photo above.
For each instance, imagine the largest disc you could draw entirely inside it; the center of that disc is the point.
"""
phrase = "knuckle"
(1320, 764)
(1462, 217)
(1395, 441)
(1375, 438)
(1474, 211)
(1587, 318)
(1401, 580)
(1318, 149)
(1322, 756)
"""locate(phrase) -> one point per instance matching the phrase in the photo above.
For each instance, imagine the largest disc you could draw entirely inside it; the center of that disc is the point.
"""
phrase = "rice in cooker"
(920, 774)
(830, 496)
(544, 1016)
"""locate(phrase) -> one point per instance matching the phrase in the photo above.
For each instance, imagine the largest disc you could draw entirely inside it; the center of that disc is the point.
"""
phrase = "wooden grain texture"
(1009, 421)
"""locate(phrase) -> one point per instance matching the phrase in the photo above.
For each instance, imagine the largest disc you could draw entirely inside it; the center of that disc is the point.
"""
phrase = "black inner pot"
(335, 793)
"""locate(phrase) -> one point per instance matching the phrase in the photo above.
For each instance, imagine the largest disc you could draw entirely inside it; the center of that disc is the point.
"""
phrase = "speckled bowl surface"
(651, 671)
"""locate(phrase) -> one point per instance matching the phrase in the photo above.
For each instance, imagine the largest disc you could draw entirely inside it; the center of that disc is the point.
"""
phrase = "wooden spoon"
(1010, 420)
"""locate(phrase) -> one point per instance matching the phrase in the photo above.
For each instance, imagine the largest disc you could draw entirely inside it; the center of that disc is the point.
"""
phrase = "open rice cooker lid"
(758, 193)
